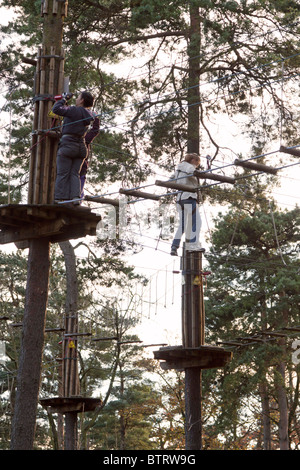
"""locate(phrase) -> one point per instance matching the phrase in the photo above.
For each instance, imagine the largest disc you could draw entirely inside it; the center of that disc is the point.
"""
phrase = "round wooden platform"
(76, 404)
(22, 222)
(203, 357)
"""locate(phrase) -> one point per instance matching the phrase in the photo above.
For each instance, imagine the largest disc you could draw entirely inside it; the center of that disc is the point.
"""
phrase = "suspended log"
(292, 328)
(254, 339)
(134, 192)
(105, 338)
(129, 342)
(291, 151)
(102, 200)
(273, 334)
(180, 187)
(54, 330)
(70, 335)
(27, 60)
(230, 343)
(256, 166)
(212, 176)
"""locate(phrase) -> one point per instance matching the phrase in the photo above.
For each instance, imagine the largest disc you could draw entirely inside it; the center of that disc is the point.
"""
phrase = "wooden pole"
(71, 387)
(191, 316)
(193, 337)
(48, 82)
(71, 431)
(193, 412)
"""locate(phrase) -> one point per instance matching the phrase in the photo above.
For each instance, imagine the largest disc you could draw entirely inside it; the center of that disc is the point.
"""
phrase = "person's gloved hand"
(67, 96)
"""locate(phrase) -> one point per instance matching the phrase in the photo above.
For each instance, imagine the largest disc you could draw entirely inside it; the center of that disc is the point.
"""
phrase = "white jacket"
(184, 172)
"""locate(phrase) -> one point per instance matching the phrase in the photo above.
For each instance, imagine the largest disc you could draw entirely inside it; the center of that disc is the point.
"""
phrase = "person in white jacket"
(187, 205)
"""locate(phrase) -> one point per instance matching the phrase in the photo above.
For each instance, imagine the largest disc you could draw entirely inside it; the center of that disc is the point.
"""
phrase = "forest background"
(220, 78)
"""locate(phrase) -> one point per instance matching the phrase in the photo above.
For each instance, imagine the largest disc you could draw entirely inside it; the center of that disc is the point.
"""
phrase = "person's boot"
(174, 251)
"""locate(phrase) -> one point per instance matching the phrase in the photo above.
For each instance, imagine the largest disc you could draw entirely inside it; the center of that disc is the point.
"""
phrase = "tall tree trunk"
(122, 419)
(30, 363)
(193, 376)
(193, 50)
(280, 383)
(70, 370)
(265, 416)
(282, 406)
(263, 390)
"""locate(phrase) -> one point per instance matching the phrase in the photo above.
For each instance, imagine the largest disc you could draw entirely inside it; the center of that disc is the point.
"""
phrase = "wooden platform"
(22, 222)
(203, 357)
(76, 404)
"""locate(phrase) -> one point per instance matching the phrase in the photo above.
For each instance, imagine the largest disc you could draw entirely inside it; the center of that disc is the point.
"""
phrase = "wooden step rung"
(292, 328)
(291, 151)
(137, 193)
(213, 176)
(105, 338)
(178, 186)
(256, 166)
(54, 330)
(103, 200)
(69, 335)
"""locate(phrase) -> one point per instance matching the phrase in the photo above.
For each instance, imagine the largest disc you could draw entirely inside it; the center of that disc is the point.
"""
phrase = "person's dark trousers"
(70, 155)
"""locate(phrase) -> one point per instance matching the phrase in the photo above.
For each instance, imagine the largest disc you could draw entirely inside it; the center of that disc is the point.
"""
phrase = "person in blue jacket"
(72, 149)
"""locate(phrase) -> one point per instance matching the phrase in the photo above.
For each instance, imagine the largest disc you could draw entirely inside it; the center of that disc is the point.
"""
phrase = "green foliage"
(157, 14)
(254, 286)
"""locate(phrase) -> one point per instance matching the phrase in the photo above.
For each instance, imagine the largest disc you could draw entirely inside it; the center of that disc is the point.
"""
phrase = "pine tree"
(255, 290)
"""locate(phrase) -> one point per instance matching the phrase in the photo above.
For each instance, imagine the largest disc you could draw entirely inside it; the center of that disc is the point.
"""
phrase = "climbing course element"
(291, 150)
(255, 166)
(193, 355)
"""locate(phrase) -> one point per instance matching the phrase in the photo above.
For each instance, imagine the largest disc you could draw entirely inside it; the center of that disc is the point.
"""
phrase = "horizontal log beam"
(103, 200)
(178, 186)
(230, 343)
(256, 166)
(291, 328)
(69, 335)
(137, 193)
(213, 176)
(54, 330)
(106, 338)
(291, 151)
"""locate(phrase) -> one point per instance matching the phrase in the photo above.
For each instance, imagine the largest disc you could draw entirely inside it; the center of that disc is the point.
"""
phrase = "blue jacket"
(76, 118)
